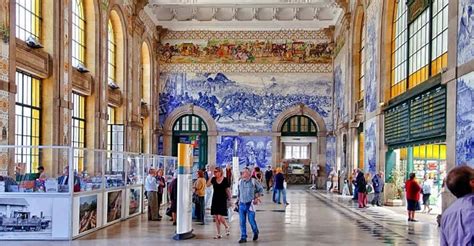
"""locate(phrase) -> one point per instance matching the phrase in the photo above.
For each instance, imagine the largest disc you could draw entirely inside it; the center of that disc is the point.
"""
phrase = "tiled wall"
(370, 146)
(246, 102)
(372, 56)
(465, 31)
(465, 120)
(250, 150)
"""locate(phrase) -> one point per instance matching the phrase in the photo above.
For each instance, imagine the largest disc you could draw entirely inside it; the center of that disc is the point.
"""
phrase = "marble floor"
(312, 218)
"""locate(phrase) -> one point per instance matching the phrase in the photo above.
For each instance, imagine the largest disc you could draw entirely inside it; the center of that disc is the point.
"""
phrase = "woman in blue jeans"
(280, 187)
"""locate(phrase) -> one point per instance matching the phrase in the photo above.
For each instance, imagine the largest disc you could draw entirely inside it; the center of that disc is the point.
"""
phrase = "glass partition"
(36, 169)
(135, 164)
(89, 168)
(115, 169)
(171, 164)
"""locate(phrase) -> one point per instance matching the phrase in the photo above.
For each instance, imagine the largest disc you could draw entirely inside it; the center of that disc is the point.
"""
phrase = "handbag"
(195, 198)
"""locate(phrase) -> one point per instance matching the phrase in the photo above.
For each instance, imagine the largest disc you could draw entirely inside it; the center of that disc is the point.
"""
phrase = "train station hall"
(225, 122)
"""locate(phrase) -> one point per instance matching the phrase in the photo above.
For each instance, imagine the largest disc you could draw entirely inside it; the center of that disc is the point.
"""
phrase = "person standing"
(413, 197)
(361, 190)
(426, 189)
(268, 177)
(378, 184)
(160, 180)
(220, 200)
(280, 187)
(151, 189)
(228, 174)
(354, 183)
(209, 190)
(457, 222)
(174, 196)
(249, 193)
(200, 189)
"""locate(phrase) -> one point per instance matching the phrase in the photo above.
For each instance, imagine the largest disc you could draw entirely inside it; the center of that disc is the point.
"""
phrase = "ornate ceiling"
(185, 15)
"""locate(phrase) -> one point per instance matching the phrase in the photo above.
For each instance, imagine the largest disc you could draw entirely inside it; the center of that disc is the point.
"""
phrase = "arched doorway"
(191, 129)
(298, 144)
(312, 128)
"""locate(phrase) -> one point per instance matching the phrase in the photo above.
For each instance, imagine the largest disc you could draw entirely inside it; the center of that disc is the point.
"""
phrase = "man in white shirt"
(151, 188)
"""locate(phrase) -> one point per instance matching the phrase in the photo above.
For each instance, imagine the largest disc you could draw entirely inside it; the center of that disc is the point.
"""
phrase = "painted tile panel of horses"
(246, 102)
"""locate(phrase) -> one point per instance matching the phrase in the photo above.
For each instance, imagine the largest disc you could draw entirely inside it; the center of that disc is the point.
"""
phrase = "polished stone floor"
(312, 218)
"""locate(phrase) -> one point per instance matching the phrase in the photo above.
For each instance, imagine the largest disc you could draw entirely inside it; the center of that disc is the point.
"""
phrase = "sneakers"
(242, 240)
(255, 237)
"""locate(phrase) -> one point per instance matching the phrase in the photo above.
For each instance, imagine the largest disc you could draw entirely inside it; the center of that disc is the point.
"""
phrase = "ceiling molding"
(244, 15)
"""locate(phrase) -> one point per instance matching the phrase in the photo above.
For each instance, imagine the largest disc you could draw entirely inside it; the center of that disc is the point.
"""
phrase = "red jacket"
(413, 190)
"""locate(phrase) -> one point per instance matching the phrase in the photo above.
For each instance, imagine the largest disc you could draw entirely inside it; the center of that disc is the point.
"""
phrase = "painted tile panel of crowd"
(245, 51)
(372, 57)
(370, 146)
(251, 150)
(340, 108)
(246, 102)
(330, 154)
(465, 31)
(465, 120)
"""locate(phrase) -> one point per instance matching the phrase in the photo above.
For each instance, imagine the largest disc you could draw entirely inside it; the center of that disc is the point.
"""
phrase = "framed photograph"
(87, 213)
(134, 205)
(26, 218)
(114, 206)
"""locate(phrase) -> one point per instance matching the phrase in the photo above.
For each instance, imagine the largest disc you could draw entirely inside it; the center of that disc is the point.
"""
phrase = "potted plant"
(394, 189)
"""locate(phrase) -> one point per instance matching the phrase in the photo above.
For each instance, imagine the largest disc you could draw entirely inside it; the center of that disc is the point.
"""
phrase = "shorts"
(426, 199)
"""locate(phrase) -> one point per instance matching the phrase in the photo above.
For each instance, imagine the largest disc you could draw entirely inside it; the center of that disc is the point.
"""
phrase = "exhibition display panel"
(38, 200)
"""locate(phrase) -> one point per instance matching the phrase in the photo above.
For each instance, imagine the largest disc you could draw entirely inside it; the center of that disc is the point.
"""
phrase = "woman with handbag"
(198, 196)
(220, 200)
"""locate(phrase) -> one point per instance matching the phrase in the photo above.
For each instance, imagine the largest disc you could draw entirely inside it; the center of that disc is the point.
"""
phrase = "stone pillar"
(7, 84)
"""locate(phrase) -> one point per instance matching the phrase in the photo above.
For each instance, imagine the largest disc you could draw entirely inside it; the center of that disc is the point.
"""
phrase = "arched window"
(145, 89)
(419, 44)
(299, 125)
(399, 50)
(28, 19)
(78, 33)
(112, 54)
(190, 123)
(362, 60)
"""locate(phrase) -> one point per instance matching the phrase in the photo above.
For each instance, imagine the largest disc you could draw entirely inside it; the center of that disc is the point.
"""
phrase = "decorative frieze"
(248, 68)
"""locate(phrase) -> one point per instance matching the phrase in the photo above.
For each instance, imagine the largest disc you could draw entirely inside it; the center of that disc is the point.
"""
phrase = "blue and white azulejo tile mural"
(330, 154)
(340, 108)
(465, 120)
(251, 150)
(370, 146)
(372, 56)
(465, 31)
(246, 102)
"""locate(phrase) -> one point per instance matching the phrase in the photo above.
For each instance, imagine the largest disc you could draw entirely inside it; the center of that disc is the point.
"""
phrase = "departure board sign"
(418, 119)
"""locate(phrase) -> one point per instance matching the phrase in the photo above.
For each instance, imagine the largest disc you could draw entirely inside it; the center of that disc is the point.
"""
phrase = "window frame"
(78, 33)
(426, 61)
(111, 52)
(32, 14)
(78, 119)
(29, 102)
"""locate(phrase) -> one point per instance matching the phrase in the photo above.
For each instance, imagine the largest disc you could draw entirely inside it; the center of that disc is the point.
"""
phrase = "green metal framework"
(191, 128)
(299, 125)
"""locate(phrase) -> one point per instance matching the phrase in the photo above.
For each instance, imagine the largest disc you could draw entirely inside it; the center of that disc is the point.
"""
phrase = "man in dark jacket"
(268, 176)
(378, 184)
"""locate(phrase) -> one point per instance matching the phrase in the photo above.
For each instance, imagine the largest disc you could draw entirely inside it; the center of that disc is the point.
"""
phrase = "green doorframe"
(190, 126)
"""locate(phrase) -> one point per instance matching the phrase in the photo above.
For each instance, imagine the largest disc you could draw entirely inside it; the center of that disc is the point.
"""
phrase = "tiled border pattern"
(248, 68)
(272, 35)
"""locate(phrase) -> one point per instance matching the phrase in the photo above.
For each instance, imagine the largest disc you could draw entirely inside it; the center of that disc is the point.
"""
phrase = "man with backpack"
(249, 194)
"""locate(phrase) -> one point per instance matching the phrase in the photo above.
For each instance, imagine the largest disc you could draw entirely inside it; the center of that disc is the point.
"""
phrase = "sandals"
(217, 236)
(227, 231)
